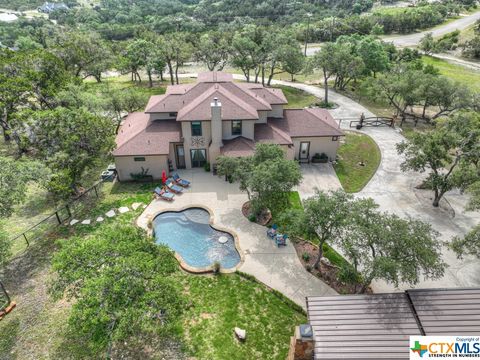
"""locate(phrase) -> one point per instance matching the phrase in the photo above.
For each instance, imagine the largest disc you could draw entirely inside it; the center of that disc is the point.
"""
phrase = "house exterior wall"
(161, 116)
(248, 129)
(155, 164)
(262, 117)
(201, 142)
(276, 112)
(318, 145)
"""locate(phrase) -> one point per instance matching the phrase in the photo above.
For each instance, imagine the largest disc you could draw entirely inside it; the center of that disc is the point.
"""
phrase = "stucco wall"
(187, 135)
(318, 145)
(161, 116)
(276, 112)
(155, 164)
(262, 117)
(248, 129)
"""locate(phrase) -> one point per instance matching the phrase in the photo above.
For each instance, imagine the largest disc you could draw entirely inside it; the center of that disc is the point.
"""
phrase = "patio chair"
(163, 194)
(281, 240)
(173, 187)
(272, 231)
(180, 181)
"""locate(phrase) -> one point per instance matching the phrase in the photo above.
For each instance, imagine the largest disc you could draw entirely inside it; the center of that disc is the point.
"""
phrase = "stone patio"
(278, 268)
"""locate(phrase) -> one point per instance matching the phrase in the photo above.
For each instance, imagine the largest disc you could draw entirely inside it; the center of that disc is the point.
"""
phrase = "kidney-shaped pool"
(190, 235)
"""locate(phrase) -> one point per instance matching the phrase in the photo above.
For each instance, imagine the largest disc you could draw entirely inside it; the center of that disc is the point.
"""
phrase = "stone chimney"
(301, 344)
(216, 129)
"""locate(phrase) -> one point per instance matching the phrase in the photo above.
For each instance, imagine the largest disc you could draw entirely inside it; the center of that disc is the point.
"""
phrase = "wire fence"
(64, 213)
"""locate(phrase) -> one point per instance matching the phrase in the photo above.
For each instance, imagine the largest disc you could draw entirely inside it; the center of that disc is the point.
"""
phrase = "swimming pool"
(190, 235)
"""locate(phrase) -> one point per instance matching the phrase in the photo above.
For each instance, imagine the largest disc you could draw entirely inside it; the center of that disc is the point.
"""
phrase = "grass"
(465, 76)
(38, 327)
(357, 148)
(298, 99)
(220, 303)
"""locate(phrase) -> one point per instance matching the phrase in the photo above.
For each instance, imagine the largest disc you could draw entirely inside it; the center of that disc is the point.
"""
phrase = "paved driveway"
(278, 268)
(395, 192)
(317, 176)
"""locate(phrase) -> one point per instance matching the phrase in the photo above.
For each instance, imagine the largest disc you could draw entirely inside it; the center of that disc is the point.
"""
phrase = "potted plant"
(320, 158)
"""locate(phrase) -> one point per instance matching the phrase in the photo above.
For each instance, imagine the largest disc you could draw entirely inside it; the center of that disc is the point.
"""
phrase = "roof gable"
(233, 108)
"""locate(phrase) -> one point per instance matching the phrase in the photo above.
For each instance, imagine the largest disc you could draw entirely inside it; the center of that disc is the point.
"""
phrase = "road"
(411, 40)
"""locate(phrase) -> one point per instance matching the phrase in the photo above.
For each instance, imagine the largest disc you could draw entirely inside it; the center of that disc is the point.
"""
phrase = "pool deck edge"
(181, 261)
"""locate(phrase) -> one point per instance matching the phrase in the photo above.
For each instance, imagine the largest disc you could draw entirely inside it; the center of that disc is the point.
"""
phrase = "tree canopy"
(121, 282)
(267, 176)
(448, 153)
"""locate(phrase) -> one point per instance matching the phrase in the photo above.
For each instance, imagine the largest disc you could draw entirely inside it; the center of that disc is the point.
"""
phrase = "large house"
(192, 124)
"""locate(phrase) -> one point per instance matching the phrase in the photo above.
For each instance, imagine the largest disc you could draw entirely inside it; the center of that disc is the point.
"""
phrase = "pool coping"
(211, 222)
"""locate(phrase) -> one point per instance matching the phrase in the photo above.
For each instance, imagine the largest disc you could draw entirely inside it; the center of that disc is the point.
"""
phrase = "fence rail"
(373, 121)
(62, 214)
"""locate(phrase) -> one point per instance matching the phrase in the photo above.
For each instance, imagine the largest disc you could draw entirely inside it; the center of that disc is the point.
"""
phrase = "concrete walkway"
(317, 176)
(278, 268)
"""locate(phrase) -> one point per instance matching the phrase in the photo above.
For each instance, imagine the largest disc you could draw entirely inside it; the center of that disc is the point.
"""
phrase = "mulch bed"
(328, 273)
(263, 219)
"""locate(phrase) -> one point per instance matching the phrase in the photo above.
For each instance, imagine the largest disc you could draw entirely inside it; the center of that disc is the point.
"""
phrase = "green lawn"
(463, 75)
(357, 148)
(298, 99)
(38, 327)
(220, 303)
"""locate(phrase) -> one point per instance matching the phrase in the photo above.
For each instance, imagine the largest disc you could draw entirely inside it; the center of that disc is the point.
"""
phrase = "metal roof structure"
(378, 326)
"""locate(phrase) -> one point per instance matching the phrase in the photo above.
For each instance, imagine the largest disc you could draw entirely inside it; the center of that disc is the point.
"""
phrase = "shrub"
(252, 217)
(207, 167)
(306, 257)
(348, 275)
(216, 267)
(309, 268)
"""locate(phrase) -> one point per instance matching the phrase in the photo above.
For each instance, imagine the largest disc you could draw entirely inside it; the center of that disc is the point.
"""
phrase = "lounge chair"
(180, 181)
(281, 240)
(272, 231)
(162, 194)
(173, 187)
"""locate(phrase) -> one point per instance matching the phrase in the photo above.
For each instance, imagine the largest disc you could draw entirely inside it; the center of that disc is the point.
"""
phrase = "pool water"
(190, 235)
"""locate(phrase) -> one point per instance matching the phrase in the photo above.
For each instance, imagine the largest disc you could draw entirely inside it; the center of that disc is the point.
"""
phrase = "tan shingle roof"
(271, 95)
(215, 76)
(179, 96)
(139, 136)
(307, 123)
(271, 134)
(238, 147)
(233, 108)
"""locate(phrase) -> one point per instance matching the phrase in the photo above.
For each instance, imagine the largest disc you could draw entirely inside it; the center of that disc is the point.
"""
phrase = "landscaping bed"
(329, 273)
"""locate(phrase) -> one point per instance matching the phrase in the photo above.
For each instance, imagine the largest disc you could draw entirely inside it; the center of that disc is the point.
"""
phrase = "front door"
(304, 153)
(180, 153)
(199, 157)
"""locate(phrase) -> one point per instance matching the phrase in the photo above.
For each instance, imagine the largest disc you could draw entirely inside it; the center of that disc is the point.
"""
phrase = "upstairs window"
(236, 127)
(196, 128)
(140, 158)
(172, 114)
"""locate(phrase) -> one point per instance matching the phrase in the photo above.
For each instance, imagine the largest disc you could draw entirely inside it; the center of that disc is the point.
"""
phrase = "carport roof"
(378, 326)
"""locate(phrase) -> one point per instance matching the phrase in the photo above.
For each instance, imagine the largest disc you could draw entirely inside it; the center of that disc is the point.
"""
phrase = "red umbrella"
(164, 177)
